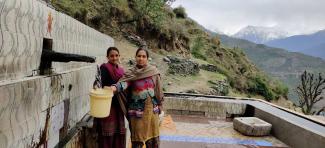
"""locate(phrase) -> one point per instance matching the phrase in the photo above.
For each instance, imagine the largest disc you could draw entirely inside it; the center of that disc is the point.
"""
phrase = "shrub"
(189, 22)
(180, 12)
(258, 86)
(96, 21)
(81, 15)
(281, 89)
(196, 49)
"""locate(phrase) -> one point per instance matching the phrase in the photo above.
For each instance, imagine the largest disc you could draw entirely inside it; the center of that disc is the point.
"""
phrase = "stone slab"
(252, 126)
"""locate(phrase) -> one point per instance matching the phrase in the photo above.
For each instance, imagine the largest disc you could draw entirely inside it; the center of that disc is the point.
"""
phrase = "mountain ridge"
(259, 35)
(311, 44)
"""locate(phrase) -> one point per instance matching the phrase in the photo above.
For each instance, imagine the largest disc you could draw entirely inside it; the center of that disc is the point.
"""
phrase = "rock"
(183, 67)
(252, 126)
(173, 59)
(131, 62)
(192, 91)
(214, 92)
(169, 83)
(219, 88)
(209, 67)
(166, 59)
(135, 39)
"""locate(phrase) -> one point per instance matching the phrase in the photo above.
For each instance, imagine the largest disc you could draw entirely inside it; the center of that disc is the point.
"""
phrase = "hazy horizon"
(229, 16)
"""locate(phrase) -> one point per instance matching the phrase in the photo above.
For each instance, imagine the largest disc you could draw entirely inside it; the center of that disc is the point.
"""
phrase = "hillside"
(287, 66)
(169, 31)
(316, 51)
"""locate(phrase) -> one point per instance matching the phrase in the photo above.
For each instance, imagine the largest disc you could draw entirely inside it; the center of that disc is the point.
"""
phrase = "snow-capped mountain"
(260, 35)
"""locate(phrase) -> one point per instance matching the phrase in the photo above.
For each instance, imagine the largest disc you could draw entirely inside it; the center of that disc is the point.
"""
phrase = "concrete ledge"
(201, 106)
(252, 126)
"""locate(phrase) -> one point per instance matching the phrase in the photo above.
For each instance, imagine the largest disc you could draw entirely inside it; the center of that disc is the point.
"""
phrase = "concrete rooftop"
(202, 132)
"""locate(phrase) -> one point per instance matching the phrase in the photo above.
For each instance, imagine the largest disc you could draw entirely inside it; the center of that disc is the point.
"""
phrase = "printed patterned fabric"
(141, 90)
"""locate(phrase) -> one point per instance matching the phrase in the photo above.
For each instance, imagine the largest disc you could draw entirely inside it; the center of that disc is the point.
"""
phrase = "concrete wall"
(23, 108)
(24, 24)
(209, 107)
(295, 136)
(40, 110)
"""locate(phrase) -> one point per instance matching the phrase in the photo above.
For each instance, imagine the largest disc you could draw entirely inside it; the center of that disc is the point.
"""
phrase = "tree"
(153, 10)
(310, 90)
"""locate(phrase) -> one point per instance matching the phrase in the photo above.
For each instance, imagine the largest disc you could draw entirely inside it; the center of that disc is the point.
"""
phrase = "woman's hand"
(114, 89)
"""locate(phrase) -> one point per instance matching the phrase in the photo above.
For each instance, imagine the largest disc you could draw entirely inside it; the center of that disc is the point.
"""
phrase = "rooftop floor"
(200, 132)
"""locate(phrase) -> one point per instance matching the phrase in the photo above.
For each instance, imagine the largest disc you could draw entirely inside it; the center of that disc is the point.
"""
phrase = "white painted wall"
(24, 24)
(25, 99)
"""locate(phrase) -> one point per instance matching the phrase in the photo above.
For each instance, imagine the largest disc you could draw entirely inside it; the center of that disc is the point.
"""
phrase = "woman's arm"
(105, 76)
(120, 86)
(159, 90)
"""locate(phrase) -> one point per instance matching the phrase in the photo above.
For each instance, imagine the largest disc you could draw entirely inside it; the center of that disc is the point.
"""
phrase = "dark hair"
(110, 49)
(139, 49)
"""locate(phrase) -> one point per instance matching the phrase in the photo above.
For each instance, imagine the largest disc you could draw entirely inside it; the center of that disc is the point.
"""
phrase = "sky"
(229, 16)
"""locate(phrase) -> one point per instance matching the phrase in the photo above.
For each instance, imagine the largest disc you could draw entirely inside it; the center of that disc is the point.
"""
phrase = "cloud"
(229, 16)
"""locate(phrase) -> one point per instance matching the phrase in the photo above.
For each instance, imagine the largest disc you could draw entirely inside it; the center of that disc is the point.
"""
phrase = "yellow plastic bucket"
(100, 102)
